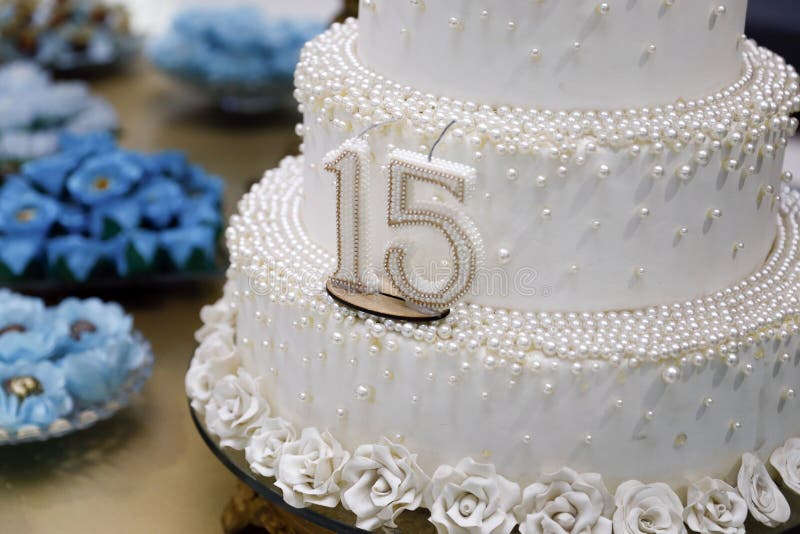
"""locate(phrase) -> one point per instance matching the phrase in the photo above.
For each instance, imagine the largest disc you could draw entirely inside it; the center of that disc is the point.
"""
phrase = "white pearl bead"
(670, 374)
(657, 171)
(362, 392)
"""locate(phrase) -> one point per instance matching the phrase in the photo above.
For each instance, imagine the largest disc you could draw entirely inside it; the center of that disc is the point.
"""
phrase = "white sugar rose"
(266, 444)
(647, 509)
(216, 318)
(309, 470)
(763, 497)
(235, 409)
(382, 480)
(566, 502)
(714, 507)
(471, 498)
(202, 376)
(786, 460)
(215, 346)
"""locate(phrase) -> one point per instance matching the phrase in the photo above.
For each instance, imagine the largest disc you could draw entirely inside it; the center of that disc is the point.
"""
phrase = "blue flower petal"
(17, 253)
(80, 254)
(94, 375)
(50, 172)
(124, 212)
(145, 242)
(181, 242)
(73, 218)
(160, 201)
(109, 321)
(26, 331)
(81, 146)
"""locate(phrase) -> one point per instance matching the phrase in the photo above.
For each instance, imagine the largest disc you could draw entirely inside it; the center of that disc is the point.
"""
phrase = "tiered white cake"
(607, 224)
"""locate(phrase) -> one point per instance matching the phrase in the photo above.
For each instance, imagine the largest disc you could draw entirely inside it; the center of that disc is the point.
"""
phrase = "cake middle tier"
(575, 210)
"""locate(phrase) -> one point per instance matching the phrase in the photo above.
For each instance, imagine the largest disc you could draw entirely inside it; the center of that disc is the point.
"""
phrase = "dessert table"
(147, 470)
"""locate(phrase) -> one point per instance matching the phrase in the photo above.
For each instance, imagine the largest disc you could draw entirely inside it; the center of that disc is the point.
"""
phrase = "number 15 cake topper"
(397, 289)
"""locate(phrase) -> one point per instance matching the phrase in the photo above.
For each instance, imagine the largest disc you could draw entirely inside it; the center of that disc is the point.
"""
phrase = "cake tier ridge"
(556, 53)
(577, 210)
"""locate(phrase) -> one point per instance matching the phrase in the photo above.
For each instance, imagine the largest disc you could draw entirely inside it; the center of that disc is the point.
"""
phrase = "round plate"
(86, 416)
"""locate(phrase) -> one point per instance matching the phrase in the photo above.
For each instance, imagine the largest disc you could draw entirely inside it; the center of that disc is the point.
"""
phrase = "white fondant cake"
(606, 224)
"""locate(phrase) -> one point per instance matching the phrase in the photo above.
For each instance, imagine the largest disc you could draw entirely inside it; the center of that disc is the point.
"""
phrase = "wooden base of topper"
(383, 305)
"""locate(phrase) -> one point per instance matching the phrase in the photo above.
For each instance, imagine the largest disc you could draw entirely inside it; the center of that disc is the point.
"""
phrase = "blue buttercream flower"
(50, 172)
(79, 254)
(32, 393)
(24, 211)
(181, 242)
(124, 213)
(95, 375)
(92, 323)
(26, 331)
(104, 177)
(160, 201)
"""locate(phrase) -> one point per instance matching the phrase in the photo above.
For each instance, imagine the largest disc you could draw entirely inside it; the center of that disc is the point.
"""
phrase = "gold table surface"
(147, 470)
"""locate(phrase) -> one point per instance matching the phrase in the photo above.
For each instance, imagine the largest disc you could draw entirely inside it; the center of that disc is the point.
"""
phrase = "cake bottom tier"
(308, 388)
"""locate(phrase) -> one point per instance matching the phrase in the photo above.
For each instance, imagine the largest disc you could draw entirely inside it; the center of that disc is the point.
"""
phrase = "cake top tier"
(558, 54)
